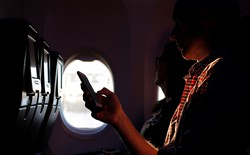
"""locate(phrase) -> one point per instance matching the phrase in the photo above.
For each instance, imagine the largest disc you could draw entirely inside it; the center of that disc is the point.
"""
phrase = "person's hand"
(111, 108)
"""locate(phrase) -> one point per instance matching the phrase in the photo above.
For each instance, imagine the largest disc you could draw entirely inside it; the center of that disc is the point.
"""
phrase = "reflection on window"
(74, 111)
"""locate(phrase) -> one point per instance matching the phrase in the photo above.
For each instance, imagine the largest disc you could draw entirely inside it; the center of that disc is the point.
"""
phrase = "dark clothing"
(157, 124)
(198, 77)
(215, 120)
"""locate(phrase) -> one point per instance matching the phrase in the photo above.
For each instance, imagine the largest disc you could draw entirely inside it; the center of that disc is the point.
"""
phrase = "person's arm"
(113, 114)
(132, 138)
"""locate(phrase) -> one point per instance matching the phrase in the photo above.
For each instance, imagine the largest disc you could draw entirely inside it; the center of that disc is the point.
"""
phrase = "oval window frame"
(85, 133)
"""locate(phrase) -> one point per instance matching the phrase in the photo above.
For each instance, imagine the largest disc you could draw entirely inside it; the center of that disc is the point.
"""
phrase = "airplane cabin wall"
(127, 33)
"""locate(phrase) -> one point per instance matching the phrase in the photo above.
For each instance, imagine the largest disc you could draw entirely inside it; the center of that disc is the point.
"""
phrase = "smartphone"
(87, 84)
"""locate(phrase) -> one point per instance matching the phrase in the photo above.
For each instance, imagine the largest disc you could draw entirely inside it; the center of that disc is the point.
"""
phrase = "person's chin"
(157, 82)
(179, 46)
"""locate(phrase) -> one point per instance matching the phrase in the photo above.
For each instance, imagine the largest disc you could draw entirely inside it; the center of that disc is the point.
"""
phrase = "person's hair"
(203, 9)
(217, 19)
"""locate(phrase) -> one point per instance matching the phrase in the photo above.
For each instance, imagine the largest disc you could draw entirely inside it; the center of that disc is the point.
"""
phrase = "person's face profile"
(160, 69)
(158, 61)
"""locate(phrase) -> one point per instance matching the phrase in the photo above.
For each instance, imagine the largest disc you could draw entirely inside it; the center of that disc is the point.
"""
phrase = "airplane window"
(73, 109)
(160, 94)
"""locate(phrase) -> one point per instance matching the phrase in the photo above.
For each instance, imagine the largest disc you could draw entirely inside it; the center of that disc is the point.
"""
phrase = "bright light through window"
(160, 94)
(74, 111)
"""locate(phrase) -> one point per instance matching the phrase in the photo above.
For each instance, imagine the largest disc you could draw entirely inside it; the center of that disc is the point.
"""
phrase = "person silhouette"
(170, 69)
(212, 115)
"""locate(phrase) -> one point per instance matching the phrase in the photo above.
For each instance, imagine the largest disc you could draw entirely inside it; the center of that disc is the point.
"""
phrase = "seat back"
(43, 101)
(54, 104)
(33, 98)
(20, 47)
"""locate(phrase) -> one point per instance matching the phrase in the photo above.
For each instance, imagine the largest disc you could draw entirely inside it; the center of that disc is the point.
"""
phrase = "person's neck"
(198, 51)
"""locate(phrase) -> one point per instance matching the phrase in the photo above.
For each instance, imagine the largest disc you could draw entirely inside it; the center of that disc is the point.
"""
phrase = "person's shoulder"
(158, 105)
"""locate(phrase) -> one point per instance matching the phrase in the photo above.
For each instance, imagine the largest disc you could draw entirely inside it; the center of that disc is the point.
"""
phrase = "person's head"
(203, 25)
(171, 67)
